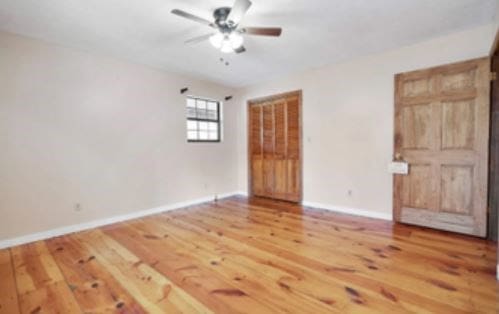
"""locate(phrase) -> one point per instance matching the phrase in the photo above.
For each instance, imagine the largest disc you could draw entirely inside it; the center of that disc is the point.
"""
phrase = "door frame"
(258, 100)
(493, 199)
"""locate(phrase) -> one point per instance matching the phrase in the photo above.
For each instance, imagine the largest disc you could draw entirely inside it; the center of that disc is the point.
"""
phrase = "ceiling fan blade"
(263, 31)
(192, 17)
(240, 50)
(238, 10)
(199, 39)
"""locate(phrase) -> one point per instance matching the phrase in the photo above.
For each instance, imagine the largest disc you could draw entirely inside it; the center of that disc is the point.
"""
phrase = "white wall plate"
(398, 167)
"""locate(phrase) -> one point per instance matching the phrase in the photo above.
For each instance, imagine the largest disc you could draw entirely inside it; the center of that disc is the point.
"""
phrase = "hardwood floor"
(256, 256)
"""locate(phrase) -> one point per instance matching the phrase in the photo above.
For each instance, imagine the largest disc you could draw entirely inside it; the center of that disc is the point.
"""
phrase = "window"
(203, 120)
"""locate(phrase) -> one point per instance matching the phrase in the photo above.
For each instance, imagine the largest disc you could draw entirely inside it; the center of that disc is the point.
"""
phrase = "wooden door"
(274, 129)
(442, 131)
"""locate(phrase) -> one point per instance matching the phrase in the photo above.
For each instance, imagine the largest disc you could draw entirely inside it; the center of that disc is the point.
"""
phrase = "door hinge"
(493, 76)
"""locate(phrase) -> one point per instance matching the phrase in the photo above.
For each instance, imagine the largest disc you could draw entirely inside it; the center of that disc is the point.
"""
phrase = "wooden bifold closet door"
(275, 147)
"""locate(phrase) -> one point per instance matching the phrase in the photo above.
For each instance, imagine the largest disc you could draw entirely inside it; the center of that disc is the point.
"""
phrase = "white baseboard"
(345, 210)
(105, 221)
(351, 211)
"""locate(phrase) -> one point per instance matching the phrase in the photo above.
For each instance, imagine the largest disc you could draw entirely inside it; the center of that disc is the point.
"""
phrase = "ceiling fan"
(227, 34)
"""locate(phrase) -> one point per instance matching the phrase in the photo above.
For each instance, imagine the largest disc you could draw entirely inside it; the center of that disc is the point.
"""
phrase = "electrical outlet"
(349, 192)
(77, 207)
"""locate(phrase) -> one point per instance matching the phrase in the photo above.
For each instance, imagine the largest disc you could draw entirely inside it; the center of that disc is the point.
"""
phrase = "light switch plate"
(398, 167)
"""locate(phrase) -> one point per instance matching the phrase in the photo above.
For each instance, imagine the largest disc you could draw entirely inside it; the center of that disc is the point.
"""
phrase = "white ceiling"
(315, 32)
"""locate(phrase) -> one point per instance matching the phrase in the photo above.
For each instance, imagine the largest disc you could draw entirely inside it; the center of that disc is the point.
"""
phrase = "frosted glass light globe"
(226, 47)
(236, 40)
(216, 40)
(227, 43)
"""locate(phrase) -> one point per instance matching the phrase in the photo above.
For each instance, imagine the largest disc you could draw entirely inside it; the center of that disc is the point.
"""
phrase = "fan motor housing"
(220, 16)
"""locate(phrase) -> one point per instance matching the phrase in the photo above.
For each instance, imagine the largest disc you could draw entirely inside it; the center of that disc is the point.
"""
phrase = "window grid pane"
(192, 125)
(201, 104)
(213, 135)
(212, 126)
(203, 120)
(192, 135)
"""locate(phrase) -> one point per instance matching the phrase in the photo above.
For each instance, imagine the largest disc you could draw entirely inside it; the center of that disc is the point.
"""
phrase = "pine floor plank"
(316, 238)
(41, 286)
(243, 255)
(347, 276)
(95, 289)
(294, 281)
(8, 294)
(210, 288)
(259, 279)
(155, 292)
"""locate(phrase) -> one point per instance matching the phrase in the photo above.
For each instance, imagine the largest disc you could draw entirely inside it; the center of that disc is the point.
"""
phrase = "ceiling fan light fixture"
(228, 33)
(217, 40)
(236, 40)
(227, 43)
(226, 47)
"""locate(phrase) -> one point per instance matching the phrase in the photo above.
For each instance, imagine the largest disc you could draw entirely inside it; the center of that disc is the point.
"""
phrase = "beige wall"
(81, 128)
(348, 119)
(76, 127)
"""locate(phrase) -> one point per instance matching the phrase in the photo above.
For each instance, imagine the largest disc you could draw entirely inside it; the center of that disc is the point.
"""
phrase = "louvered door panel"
(268, 150)
(256, 153)
(293, 150)
(280, 165)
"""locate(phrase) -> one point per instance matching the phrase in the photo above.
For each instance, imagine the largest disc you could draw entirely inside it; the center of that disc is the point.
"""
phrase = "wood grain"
(242, 255)
(442, 132)
(274, 147)
(8, 293)
(41, 286)
(94, 287)
(255, 154)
